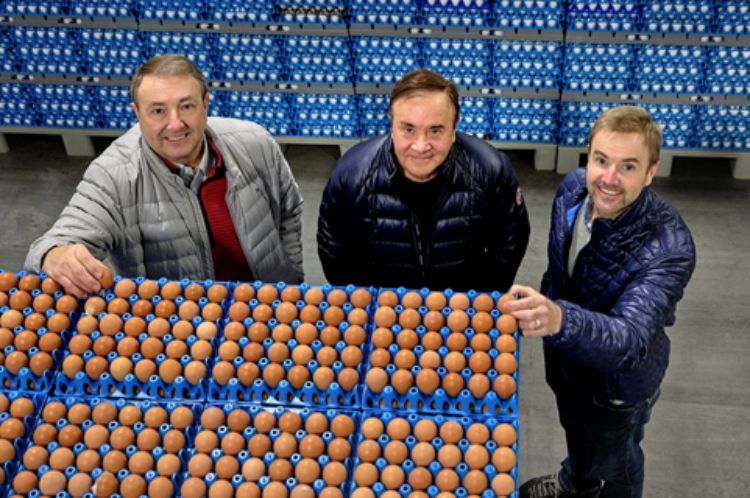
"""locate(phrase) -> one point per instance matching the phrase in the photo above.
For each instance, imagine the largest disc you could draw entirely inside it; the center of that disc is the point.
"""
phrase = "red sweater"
(229, 259)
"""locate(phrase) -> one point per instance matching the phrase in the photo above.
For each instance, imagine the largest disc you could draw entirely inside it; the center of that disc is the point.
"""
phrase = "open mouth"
(176, 138)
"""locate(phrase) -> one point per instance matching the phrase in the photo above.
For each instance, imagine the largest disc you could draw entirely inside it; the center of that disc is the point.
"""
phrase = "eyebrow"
(159, 103)
(626, 160)
(406, 123)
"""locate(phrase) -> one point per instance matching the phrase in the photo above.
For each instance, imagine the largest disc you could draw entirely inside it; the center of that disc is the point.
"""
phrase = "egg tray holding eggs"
(26, 379)
(295, 456)
(104, 449)
(462, 469)
(309, 394)
(19, 443)
(130, 386)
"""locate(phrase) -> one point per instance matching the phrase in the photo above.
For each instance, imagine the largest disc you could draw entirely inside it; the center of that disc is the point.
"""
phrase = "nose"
(610, 176)
(421, 144)
(175, 120)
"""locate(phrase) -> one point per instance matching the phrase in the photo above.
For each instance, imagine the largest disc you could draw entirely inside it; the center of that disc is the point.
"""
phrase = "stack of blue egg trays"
(321, 328)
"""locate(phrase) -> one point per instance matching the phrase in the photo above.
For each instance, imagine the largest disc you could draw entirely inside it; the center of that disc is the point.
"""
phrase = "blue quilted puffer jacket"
(367, 235)
(625, 287)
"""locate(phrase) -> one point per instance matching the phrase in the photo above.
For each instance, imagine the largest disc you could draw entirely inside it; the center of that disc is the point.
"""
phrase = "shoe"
(549, 487)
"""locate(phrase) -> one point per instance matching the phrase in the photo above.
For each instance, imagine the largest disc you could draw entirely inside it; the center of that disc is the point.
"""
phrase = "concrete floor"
(697, 444)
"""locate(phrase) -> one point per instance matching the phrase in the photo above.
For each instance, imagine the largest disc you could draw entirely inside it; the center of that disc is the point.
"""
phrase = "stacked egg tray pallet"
(182, 388)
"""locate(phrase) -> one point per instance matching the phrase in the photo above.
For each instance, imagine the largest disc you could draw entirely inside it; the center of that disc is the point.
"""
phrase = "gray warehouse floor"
(698, 442)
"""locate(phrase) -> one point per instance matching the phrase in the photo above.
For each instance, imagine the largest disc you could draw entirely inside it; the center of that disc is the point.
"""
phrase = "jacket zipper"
(419, 246)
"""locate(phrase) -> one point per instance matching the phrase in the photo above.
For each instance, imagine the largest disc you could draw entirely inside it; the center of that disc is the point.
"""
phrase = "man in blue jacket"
(424, 206)
(619, 260)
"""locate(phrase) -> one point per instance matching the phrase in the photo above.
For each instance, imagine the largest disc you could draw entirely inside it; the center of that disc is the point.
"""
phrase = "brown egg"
(88, 460)
(504, 385)
(368, 451)
(7, 451)
(430, 359)
(6, 337)
(253, 469)
(392, 476)
(407, 339)
(79, 484)
(504, 435)
(158, 327)
(506, 363)
(238, 420)
(42, 303)
(458, 320)
(481, 342)
(436, 301)
(161, 487)
(110, 324)
(34, 321)
(420, 478)
(291, 294)
(456, 342)
(479, 385)
(478, 433)
(95, 436)
(311, 446)
(388, 298)
(132, 486)
(433, 320)
(432, 341)
(335, 473)
(44, 434)
(351, 356)
(316, 423)
(141, 462)
(11, 429)
(259, 445)
(402, 380)
(425, 430)
(385, 316)
(11, 319)
(330, 335)
(476, 456)
(148, 289)
(148, 439)
(366, 474)
(182, 329)
(211, 312)
(348, 378)
(104, 413)
(503, 485)
(168, 465)
(285, 445)
(286, 312)
(307, 471)
(409, 318)
(69, 436)
(118, 306)
(459, 301)
(482, 322)
(355, 335)
(121, 438)
(50, 342)
(94, 305)
(120, 368)
(451, 432)
(124, 288)
(65, 304)
(360, 298)
(181, 417)
(423, 454)
(428, 381)
(447, 480)
(280, 470)
(399, 429)
(34, 457)
(21, 407)
(144, 369)
(234, 331)
(243, 292)
(310, 313)
(475, 482)
(506, 324)
(206, 441)
(382, 337)
(25, 480)
(169, 370)
(193, 487)
(395, 452)
(212, 417)
(247, 373)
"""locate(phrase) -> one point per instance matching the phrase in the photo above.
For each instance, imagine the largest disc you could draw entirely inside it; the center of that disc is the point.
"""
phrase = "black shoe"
(549, 487)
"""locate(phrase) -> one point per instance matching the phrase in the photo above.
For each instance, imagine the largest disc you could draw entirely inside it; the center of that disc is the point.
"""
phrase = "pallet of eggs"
(18, 411)
(245, 450)
(144, 339)
(293, 345)
(99, 447)
(36, 320)
(443, 352)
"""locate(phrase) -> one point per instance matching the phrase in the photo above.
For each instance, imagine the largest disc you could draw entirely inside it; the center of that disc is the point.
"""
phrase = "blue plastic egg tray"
(130, 386)
(25, 379)
(272, 435)
(19, 444)
(439, 401)
(188, 434)
(310, 393)
(437, 462)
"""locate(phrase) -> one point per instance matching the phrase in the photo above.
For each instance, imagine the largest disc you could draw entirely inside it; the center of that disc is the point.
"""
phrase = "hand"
(536, 314)
(73, 267)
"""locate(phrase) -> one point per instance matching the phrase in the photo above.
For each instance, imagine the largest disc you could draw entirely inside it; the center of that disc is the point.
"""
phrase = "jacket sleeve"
(336, 232)
(290, 203)
(510, 233)
(93, 217)
(619, 341)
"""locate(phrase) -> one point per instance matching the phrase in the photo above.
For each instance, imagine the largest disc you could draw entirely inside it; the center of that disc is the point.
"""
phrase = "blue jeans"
(603, 441)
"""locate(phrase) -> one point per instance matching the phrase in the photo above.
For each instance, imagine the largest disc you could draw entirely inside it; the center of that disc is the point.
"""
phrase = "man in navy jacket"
(619, 260)
(424, 206)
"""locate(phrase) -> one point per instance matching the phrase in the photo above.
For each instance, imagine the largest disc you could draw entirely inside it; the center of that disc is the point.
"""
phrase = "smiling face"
(618, 170)
(423, 128)
(173, 115)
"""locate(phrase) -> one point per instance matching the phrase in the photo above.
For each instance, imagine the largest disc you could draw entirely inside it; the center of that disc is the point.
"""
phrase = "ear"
(206, 99)
(651, 172)
(135, 110)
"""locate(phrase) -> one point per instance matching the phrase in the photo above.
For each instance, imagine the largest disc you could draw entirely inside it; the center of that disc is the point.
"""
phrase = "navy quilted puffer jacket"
(625, 287)
(368, 235)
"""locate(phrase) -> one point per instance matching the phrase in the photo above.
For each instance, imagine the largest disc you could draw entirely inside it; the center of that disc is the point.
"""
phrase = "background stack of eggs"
(164, 388)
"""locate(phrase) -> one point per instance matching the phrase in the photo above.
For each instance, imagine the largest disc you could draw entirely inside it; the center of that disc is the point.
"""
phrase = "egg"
(7, 451)
(174, 440)
(121, 438)
(104, 413)
(428, 381)
(335, 473)
(366, 474)
(398, 429)
(148, 439)
(388, 298)
(280, 469)
(504, 385)
(11, 319)
(395, 452)
(423, 454)
(259, 445)
(34, 457)
(307, 471)
(79, 484)
(447, 480)
(482, 322)
(475, 482)
(88, 460)
(25, 480)
(96, 436)
(360, 298)
(476, 457)
(355, 335)
(106, 484)
(348, 378)
(21, 407)
(42, 303)
(65, 304)
(407, 339)
(478, 433)
(120, 368)
(50, 342)
(310, 313)
(118, 306)
(506, 363)
(506, 324)
(107, 278)
(206, 441)
(141, 462)
(430, 359)
(385, 316)
(503, 485)
(449, 456)
(451, 432)
(410, 318)
(425, 430)
(94, 305)
(402, 380)
(316, 423)
(420, 479)
(168, 465)
(211, 312)
(12, 428)
(193, 487)
(161, 487)
(405, 359)
(504, 434)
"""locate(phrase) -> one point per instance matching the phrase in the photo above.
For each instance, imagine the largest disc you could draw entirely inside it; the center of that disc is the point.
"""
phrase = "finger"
(522, 290)
(71, 287)
(90, 264)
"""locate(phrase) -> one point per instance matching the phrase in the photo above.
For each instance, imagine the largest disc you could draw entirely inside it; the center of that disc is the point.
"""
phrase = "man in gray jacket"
(180, 195)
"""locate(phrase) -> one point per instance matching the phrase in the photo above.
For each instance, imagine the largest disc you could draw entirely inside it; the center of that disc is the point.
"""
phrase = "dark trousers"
(603, 441)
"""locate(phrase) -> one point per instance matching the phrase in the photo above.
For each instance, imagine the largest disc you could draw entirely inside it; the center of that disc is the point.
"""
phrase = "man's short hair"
(165, 66)
(424, 80)
(631, 119)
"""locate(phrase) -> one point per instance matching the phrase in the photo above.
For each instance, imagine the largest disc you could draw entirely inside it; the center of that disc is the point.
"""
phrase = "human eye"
(156, 111)
(436, 131)
(629, 167)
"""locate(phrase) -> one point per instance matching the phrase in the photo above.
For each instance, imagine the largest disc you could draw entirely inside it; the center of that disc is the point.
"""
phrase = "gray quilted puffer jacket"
(131, 211)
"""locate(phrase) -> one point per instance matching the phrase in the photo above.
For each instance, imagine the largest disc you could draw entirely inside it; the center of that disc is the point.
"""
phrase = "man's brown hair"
(631, 119)
(165, 66)
(424, 80)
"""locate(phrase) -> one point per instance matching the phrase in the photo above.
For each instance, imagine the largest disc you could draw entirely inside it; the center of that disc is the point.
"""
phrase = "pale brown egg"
(482, 322)
(478, 433)
(120, 368)
(392, 476)
(407, 339)
(398, 429)
(25, 481)
(475, 482)
(168, 465)
(244, 292)
(307, 471)
(395, 452)
(79, 484)
(355, 335)
(425, 430)
(88, 460)
(310, 313)
(11, 319)
(360, 298)
(161, 487)
(410, 318)
(206, 331)
(96, 436)
(366, 474)
(476, 457)
(419, 479)
(385, 316)
(504, 385)
(158, 327)
(479, 385)
(181, 417)
(280, 470)
(267, 294)
(316, 423)
(423, 454)
(430, 359)
(388, 298)
(503, 485)
(447, 480)
(506, 324)
(211, 312)
(436, 301)
(428, 381)
(118, 306)
(504, 435)
(193, 487)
